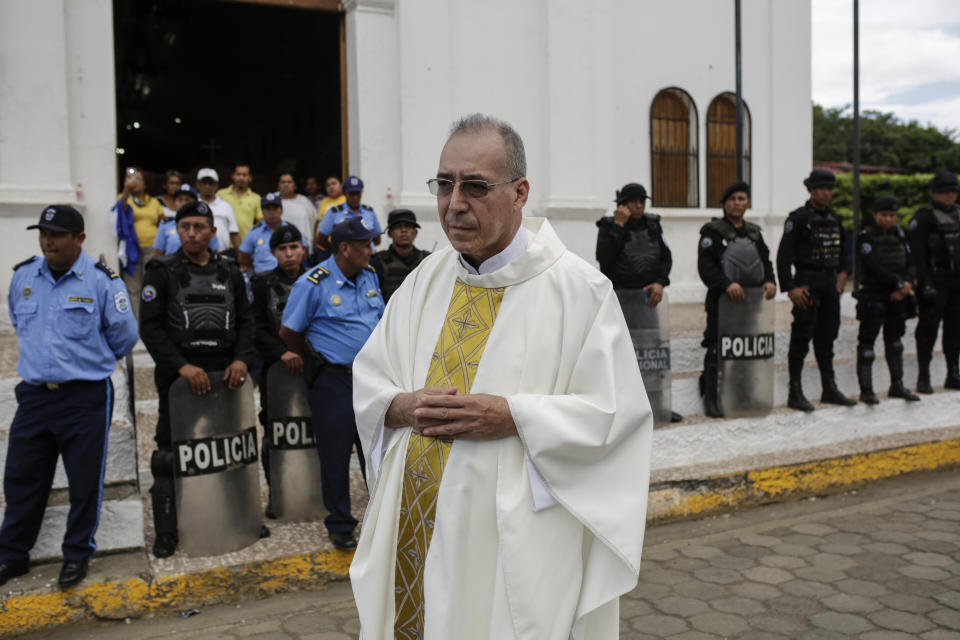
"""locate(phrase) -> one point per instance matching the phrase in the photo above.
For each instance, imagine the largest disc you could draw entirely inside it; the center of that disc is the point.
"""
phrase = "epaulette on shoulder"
(363, 206)
(372, 268)
(336, 207)
(166, 260)
(107, 270)
(27, 261)
(317, 275)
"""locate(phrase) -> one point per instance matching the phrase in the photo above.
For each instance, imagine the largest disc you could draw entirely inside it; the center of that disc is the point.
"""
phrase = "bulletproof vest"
(277, 293)
(823, 243)
(740, 260)
(948, 226)
(200, 315)
(639, 260)
(394, 271)
(890, 252)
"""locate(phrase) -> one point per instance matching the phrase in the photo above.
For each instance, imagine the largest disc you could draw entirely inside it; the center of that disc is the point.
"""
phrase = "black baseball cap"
(60, 217)
(351, 229)
(631, 191)
(400, 216)
(886, 203)
(286, 233)
(195, 209)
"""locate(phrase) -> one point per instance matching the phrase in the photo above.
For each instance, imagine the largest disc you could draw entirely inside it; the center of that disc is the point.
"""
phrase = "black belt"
(339, 368)
(55, 386)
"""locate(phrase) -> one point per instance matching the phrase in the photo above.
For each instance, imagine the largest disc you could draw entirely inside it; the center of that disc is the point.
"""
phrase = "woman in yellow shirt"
(147, 215)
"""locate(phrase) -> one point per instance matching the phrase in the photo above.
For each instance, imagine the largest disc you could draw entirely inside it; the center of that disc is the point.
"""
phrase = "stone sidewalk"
(876, 564)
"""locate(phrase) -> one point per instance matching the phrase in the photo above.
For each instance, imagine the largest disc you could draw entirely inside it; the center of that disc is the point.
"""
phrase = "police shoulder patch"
(107, 270)
(121, 302)
(317, 275)
(27, 261)
(913, 223)
(149, 293)
(865, 248)
(706, 242)
(788, 226)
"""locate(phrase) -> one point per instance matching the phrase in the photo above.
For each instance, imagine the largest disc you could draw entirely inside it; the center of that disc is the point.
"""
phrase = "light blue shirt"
(74, 328)
(257, 244)
(339, 213)
(336, 314)
(168, 240)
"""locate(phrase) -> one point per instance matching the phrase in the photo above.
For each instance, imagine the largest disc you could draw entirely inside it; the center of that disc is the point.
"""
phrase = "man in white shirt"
(297, 208)
(508, 437)
(228, 232)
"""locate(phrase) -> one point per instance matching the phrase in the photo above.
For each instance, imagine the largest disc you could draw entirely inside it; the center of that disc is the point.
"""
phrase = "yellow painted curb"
(678, 500)
(135, 596)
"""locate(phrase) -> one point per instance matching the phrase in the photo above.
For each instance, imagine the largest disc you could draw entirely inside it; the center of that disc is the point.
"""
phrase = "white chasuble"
(495, 566)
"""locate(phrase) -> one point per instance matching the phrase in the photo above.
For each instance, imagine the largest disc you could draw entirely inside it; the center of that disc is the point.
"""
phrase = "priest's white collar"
(514, 250)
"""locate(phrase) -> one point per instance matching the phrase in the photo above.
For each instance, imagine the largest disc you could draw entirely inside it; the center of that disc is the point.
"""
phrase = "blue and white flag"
(121, 220)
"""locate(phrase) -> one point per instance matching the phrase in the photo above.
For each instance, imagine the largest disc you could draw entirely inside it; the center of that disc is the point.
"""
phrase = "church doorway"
(212, 82)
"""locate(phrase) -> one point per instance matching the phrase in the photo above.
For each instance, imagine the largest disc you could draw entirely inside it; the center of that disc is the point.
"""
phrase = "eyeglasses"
(442, 187)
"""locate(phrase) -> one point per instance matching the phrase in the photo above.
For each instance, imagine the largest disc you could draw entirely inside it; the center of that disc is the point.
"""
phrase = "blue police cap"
(60, 217)
(271, 200)
(352, 184)
(351, 229)
(188, 190)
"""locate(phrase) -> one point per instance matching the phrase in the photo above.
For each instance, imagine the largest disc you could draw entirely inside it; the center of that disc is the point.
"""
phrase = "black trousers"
(335, 432)
(71, 421)
(877, 313)
(945, 307)
(819, 321)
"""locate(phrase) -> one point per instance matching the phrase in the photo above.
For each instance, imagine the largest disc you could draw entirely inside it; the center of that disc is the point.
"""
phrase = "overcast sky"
(909, 58)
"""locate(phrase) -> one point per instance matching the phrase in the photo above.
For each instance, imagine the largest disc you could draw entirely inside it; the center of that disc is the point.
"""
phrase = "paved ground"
(876, 564)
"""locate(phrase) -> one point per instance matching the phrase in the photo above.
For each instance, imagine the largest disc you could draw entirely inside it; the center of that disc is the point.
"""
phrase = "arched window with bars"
(673, 149)
(722, 146)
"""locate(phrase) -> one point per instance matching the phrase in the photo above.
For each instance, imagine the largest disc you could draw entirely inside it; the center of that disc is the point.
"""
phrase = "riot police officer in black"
(814, 243)
(401, 257)
(270, 292)
(885, 286)
(630, 246)
(732, 256)
(935, 242)
(195, 317)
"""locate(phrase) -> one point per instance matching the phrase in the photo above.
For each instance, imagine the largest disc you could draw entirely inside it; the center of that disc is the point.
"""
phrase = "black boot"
(796, 399)
(831, 394)
(897, 390)
(923, 377)
(709, 383)
(953, 377)
(865, 358)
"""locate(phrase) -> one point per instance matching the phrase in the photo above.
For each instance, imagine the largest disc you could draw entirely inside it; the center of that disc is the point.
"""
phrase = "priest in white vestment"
(506, 428)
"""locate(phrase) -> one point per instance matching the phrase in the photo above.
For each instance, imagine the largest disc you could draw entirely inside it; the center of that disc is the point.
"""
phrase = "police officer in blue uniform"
(726, 243)
(882, 299)
(73, 321)
(353, 190)
(331, 311)
(814, 242)
(255, 250)
(195, 317)
(270, 293)
(935, 241)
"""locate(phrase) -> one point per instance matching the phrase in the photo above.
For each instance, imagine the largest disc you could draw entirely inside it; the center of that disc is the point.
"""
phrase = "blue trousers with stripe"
(71, 421)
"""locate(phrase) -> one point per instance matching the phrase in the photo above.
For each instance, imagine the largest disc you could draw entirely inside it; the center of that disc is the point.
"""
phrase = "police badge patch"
(121, 302)
(788, 226)
(866, 248)
(336, 300)
(27, 292)
(913, 224)
(706, 243)
(148, 293)
(48, 214)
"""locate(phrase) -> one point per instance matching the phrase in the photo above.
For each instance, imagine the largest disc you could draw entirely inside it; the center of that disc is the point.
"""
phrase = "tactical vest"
(639, 261)
(890, 252)
(948, 237)
(394, 271)
(200, 311)
(740, 260)
(823, 244)
(278, 291)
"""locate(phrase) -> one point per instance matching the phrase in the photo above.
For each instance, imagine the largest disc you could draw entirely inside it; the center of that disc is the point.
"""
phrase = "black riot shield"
(746, 353)
(294, 463)
(215, 466)
(650, 331)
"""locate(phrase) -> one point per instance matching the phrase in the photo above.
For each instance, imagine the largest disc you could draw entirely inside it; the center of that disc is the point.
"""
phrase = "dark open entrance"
(212, 82)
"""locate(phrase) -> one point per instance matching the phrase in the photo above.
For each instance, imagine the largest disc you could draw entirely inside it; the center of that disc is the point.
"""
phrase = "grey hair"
(479, 122)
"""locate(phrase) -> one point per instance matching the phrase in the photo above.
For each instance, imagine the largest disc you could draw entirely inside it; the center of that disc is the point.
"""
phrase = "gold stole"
(465, 331)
